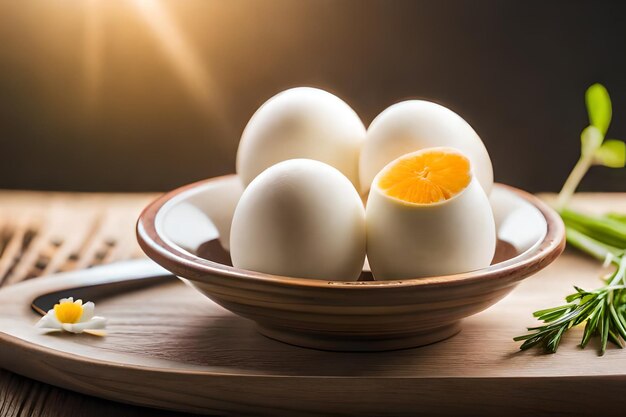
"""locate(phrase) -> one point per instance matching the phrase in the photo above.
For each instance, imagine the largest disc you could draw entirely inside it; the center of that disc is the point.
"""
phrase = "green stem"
(618, 217)
(606, 230)
(590, 245)
(574, 178)
(619, 274)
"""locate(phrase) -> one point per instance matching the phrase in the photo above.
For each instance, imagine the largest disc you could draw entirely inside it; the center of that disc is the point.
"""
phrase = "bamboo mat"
(44, 233)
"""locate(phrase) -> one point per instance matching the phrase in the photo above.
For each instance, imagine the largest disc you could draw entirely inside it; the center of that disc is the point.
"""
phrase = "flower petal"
(49, 321)
(93, 324)
(99, 333)
(70, 327)
(66, 300)
(97, 322)
(88, 309)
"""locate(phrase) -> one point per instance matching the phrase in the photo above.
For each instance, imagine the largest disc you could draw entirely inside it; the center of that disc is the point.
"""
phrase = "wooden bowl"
(182, 231)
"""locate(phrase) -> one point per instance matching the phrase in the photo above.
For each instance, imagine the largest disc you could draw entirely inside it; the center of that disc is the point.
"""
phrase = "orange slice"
(427, 176)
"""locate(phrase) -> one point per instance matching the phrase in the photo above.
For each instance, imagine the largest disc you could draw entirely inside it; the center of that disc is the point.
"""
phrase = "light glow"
(186, 62)
(182, 57)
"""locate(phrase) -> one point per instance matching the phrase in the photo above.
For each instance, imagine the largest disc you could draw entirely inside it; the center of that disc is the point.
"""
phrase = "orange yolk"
(426, 177)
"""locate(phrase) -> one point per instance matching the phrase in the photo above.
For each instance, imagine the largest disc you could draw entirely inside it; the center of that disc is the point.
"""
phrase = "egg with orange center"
(428, 215)
(413, 125)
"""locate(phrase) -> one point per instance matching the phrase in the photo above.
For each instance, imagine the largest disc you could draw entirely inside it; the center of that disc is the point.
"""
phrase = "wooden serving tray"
(170, 347)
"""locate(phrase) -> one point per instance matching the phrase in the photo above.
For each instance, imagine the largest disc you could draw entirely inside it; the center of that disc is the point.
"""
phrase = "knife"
(107, 280)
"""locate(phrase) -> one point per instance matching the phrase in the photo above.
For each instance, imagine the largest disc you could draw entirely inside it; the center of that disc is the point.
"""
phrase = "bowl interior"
(197, 222)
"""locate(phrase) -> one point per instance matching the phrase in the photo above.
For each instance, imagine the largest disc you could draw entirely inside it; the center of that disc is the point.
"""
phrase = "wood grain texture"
(476, 372)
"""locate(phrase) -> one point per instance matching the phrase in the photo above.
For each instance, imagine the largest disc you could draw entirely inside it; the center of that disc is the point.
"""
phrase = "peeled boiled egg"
(302, 122)
(417, 124)
(300, 218)
(427, 215)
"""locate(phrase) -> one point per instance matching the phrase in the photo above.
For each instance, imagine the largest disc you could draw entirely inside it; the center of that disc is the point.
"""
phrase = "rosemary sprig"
(603, 310)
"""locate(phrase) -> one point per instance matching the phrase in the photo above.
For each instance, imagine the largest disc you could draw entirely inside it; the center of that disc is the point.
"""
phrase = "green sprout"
(595, 150)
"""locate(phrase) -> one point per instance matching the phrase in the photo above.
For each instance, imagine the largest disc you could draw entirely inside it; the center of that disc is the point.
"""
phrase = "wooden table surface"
(43, 233)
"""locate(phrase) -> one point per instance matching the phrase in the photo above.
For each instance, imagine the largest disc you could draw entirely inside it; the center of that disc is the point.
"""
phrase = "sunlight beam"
(182, 57)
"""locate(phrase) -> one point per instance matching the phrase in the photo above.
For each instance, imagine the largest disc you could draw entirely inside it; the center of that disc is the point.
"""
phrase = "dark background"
(95, 95)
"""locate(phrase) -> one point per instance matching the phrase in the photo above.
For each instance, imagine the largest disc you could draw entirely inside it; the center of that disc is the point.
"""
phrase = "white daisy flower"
(74, 317)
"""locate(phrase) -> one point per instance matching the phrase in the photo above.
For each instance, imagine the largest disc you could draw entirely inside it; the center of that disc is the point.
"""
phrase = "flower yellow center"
(68, 312)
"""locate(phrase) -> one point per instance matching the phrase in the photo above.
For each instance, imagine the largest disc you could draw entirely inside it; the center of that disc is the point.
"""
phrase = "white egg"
(417, 124)
(409, 240)
(302, 122)
(300, 218)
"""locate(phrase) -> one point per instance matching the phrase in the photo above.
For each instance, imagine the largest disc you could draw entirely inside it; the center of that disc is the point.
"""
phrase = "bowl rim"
(180, 261)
